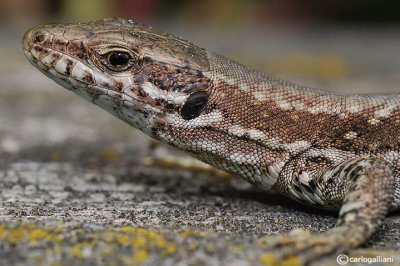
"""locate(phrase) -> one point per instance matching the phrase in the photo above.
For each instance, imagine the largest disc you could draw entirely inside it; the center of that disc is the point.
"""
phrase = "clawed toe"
(299, 247)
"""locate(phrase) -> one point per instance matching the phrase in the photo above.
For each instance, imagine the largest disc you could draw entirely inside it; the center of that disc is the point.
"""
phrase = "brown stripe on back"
(324, 119)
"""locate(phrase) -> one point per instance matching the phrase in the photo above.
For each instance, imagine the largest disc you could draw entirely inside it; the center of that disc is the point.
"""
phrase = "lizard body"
(322, 149)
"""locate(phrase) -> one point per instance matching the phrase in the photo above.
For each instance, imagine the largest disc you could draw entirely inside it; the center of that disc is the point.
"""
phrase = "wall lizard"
(325, 150)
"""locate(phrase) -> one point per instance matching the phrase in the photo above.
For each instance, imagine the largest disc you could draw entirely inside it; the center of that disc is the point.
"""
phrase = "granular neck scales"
(325, 150)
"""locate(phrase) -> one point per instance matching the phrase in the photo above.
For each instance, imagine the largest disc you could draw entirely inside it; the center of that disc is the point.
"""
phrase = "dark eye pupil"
(195, 105)
(118, 59)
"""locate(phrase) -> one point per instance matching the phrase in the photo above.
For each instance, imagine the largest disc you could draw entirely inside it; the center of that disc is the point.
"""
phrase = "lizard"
(326, 150)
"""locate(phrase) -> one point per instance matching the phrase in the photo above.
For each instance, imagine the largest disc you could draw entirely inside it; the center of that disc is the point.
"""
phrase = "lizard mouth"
(70, 72)
(58, 65)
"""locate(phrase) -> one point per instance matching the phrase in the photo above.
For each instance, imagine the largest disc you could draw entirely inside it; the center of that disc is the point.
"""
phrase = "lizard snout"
(35, 36)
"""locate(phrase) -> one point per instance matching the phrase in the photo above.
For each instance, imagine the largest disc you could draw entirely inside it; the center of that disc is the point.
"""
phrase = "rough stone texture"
(74, 189)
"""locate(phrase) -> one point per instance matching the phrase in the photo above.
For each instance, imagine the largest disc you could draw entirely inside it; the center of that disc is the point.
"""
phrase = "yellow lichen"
(291, 261)
(138, 241)
(268, 260)
(141, 231)
(108, 237)
(76, 251)
(128, 229)
(193, 246)
(109, 155)
(237, 249)
(160, 242)
(152, 235)
(2, 232)
(36, 235)
(187, 232)
(169, 249)
(140, 256)
(16, 235)
(122, 239)
(56, 263)
(107, 251)
(56, 241)
(262, 242)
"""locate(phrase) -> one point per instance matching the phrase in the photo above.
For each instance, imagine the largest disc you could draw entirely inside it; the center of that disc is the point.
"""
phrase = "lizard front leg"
(362, 187)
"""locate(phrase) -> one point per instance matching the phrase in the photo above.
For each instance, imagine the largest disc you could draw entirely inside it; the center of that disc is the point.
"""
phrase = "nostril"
(38, 37)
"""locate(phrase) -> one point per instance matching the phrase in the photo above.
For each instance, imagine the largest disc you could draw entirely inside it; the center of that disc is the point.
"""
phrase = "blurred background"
(311, 41)
(343, 46)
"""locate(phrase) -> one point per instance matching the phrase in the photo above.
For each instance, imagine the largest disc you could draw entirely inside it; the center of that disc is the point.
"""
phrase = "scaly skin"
(325, 150)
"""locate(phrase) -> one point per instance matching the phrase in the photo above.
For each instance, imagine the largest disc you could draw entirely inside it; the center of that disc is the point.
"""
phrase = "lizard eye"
(195, 105)
(117, 60)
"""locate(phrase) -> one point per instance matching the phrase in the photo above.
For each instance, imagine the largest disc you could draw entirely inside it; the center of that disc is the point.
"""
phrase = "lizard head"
(149, 79)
